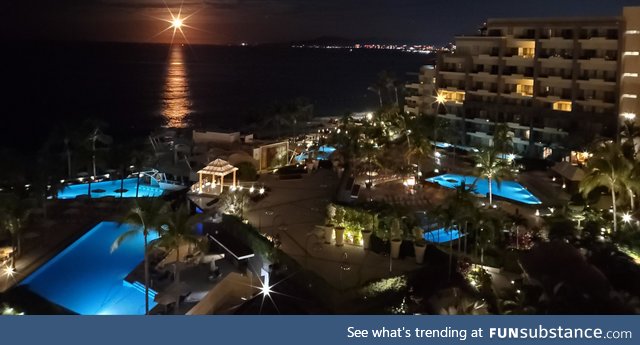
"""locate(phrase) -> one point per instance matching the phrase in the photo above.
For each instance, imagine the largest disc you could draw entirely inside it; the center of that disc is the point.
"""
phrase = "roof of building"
(569, 171)
(218, 167)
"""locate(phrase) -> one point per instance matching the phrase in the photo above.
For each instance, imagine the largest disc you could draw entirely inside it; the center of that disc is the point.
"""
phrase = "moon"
(176, 23)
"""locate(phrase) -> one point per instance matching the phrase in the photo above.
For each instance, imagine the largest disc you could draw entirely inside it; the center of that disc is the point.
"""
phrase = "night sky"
(262, 21)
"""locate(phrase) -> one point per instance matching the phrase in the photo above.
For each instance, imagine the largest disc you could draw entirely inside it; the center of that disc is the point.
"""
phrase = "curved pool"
(508, 189)
(112, 188)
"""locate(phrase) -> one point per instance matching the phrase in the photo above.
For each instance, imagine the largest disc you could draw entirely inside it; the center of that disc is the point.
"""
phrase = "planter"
(366, 239)
(395, 248)
(419, 250)
(339, 236)
(309, 168)
(328, 233)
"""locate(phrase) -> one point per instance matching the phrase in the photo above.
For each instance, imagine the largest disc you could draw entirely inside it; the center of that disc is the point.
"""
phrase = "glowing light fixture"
(626, 218)
(628, 116)
(9, 271)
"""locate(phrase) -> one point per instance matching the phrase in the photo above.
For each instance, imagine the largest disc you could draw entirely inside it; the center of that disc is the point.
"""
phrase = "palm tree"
(489, 166)
(146, 216)
(377, 90)
(14, 214)
(347, 141)
(608, 168)
(96, 135)
(629, 139)
(502, 139)
(488, 226)
(179, 230)
(446, 217)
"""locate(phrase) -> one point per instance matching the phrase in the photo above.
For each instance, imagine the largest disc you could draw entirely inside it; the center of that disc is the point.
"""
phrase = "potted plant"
(396, 238)
(370, 225)
(339, 226)
(419, 244)
(328, 228)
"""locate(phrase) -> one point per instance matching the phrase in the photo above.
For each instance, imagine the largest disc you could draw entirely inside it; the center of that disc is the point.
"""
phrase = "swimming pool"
(508, 189)
(88, 279)
(110, 188)
(441, 235)
(323, 153)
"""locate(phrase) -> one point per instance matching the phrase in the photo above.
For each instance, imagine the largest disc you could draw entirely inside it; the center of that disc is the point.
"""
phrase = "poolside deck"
(66, 221)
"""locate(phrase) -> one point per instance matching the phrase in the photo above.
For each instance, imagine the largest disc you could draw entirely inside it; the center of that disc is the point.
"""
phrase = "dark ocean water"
(137, 87)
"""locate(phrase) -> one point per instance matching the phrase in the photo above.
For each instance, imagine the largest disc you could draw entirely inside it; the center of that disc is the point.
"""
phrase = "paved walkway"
(293, 208)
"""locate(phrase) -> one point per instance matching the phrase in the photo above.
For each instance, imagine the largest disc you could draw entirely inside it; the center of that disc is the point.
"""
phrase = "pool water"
(442, 236)
(323, 153)
(110, 188)
(508, 189)
(88, 279)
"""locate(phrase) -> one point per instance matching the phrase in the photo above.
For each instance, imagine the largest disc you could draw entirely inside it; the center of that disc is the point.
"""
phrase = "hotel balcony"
(587, 62)
(414, 99)
(484, 76)
(450, 117)
(556, 61)
(452, 73)
(413, 86)
(556, 42)
(518, 95)
(517, 60)
(551, 131)
(484, 92)
(593, 81)
(412, 109)
(599, 43)
(595, 102)
(486, 58)
(555, 81)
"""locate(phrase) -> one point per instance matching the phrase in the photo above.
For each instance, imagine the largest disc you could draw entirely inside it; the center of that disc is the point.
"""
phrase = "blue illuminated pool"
(88, 279)
(441, 235)
(323, 153)
(110, 188)
(508, 189)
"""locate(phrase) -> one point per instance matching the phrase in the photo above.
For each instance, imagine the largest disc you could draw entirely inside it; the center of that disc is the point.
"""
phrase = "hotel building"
(557, 83)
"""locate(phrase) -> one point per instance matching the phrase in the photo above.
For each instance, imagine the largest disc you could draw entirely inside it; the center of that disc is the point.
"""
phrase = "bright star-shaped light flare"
(176, 23)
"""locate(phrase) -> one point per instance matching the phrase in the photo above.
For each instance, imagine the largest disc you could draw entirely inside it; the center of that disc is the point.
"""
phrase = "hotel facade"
(557, 83)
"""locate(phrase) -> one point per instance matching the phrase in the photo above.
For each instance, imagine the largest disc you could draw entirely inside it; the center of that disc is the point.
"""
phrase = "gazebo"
(218, 168)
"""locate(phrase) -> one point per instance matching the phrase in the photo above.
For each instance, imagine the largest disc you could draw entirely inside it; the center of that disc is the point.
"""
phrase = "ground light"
(9, 271)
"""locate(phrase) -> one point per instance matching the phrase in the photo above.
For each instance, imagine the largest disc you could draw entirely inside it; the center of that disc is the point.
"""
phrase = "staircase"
(140, 287)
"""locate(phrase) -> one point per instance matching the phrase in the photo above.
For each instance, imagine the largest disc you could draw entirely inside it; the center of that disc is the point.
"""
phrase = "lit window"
(631, 53)
(524, 90)
(631, 75)
(632, 32)
(526, 52)
(628, 116)
(628, 95)
(562, 106)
